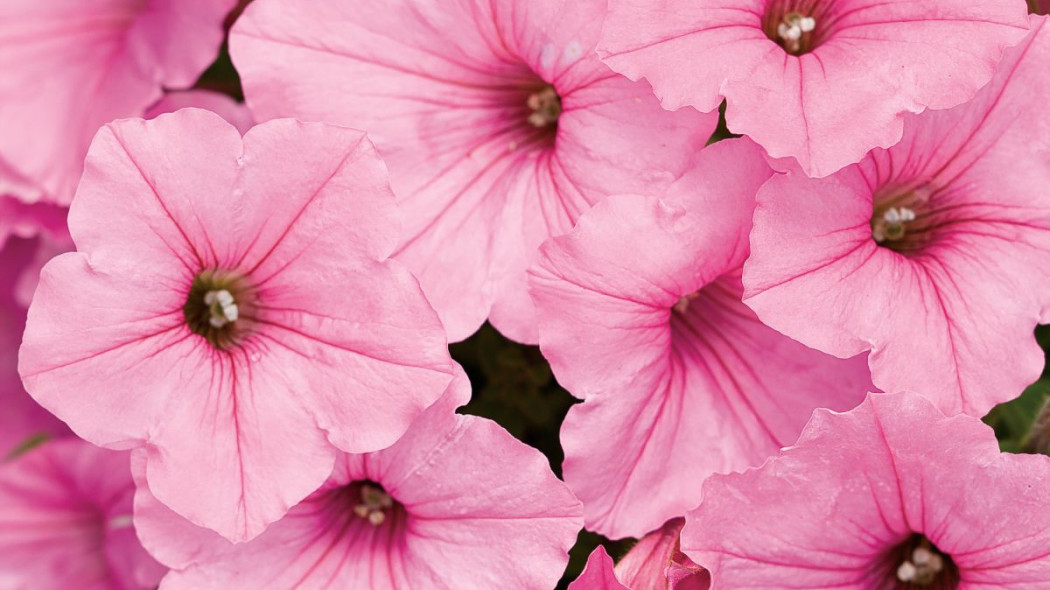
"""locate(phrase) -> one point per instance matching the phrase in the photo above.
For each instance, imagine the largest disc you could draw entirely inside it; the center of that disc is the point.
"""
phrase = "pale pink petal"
(680, 379)
(938, 315)
(442, 87)
(598, 573)
(656, 562)
(830, 511)
(826, 107)
(235, 434)
(21, 418)
(231, 110)
(68, 71)
(65, 522)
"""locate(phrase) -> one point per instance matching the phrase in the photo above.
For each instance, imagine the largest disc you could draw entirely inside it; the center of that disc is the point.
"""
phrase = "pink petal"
(21, 418)
(937, 318)
(481, 510)
(598, 574)
(827, 107)
(439, 88)
(671, 396)
(656, 562)
(68, 71)
(235, 112)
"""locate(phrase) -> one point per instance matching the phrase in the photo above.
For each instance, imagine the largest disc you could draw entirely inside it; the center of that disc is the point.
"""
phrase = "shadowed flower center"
(902, 219)
(375, 503)
(917, 564)
(799, 26)
(683, 304)
(536, 108)
(214, 307)
(546, 107)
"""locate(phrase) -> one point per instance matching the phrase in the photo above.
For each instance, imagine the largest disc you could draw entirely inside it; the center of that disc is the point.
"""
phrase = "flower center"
(922, 567)
(892, 225)
(792, 28)
(795, 25)
(902, 219)
(214, 307)
(683, 304)
(375, 503)
(222, 307)
(545, 107)
(918, 564)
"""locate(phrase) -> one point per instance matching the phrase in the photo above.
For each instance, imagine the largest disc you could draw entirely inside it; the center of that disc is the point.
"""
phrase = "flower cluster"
(786, 254)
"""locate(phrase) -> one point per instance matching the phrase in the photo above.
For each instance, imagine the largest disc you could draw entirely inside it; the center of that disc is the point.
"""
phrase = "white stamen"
(789, 33)
(374, 504)
(923, 568)
(907, 572)
(222, 306)
(891, 226)
(791, 29)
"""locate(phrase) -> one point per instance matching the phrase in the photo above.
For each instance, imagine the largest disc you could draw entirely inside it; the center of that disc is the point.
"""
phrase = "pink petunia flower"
(69, 68)
(230, 312)
(66, 522)
(924, 253)
(498, 122)
(654, 563)
(679, 378)
(821, 81)
(21, 418)
(890, 495)
(234, 112)
(456, 504)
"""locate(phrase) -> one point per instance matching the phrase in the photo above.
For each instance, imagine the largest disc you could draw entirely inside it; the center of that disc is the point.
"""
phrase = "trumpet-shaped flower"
(230, 312)
(821, 81)
(679, 379)
(924, 253)
(498, 122)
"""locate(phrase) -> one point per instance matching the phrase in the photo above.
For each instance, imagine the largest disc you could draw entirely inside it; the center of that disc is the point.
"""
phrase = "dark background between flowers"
(514, 386)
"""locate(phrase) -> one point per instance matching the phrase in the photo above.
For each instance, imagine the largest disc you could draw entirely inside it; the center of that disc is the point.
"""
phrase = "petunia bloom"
(890, 495)
(821, 81)
(68, 69)
(679, 379)
(231, 312)
(924, 253)
(498, 122)
(66, 522)
(456, 504)
(654, 563)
